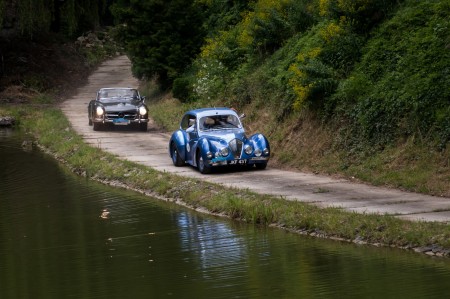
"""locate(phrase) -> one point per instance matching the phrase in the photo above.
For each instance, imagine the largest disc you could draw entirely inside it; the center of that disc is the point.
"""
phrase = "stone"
(7, 121)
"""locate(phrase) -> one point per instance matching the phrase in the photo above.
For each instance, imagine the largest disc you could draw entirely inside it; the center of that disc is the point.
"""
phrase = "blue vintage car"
(213, 137)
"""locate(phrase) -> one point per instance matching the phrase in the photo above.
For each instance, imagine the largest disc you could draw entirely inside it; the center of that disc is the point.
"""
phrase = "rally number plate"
(238, 162)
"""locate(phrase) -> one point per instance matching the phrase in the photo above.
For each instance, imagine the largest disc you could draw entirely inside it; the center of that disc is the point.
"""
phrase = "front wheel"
(202, 167)
(176, 159)
(98, 126)
(261, 166)
(143, 127)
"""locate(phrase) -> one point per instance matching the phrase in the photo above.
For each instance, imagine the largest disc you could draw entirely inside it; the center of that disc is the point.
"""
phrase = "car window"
(114, 94)
(214, 122)
(187, 121)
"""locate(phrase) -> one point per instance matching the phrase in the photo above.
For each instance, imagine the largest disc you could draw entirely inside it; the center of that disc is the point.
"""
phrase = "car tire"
(201, 165)
(98, 126)
(90, 122)
(143, 127)
(176, 159)
(261, 166)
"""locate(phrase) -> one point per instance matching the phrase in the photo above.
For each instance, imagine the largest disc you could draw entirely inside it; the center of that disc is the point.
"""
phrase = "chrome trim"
(236, 146)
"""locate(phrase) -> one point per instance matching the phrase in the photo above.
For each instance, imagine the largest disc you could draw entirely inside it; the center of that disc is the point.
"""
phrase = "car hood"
(226, 135)
(121, 106)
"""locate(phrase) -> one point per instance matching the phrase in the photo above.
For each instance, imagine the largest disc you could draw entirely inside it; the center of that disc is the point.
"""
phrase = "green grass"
(53, 133)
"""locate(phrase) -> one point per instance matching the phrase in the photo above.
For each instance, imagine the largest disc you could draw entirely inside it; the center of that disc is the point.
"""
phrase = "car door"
(189, 126)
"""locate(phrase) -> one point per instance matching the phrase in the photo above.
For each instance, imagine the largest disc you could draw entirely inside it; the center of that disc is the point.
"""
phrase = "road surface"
(151, 149)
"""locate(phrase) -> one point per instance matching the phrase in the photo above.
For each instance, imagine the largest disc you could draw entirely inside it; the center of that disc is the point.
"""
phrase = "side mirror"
(242, 115)
(143, 99)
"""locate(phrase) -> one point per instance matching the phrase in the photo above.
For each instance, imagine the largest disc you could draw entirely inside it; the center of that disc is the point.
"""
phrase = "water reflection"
(214, 244)
(54, 243)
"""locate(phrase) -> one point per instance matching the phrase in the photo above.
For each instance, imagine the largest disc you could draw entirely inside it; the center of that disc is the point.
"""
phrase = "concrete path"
(151, 149)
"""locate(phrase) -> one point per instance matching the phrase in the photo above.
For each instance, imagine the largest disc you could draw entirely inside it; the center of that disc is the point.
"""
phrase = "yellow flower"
(331, 31)
(323, 7)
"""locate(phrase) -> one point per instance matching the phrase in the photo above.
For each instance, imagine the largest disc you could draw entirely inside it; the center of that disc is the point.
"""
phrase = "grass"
(54, 134)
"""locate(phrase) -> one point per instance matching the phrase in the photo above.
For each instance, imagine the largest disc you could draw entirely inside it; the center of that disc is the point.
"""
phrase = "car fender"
(91, 108)
(179, 139)
(259, 141)
(202, 146)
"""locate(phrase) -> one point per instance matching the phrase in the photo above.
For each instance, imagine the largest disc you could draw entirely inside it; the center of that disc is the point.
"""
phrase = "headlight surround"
(224, 152)
(258, 152)
(99, 111)
(142, 111)
(248, 149)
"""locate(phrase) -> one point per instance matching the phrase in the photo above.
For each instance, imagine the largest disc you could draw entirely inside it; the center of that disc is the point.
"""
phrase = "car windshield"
(216, 122)
(117, 94)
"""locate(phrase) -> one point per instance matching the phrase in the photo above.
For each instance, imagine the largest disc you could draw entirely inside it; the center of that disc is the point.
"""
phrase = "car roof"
(211, 111)
(108, 88)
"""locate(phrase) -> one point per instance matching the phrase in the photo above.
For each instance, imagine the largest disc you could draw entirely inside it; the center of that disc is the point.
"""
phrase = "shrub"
(405, 66)
(182, 89)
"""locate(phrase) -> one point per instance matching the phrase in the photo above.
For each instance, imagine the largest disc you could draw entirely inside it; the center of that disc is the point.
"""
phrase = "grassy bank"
(53, 133)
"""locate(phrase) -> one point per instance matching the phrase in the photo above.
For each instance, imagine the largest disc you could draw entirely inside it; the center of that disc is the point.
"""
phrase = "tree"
(161, 37)
(34, 17)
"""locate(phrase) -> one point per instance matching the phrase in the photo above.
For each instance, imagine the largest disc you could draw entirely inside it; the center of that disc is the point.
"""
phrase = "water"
(62, 236)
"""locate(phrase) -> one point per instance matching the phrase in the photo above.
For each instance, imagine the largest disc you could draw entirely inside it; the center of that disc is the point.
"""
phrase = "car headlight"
(248, 149)
(224, 152)
(100, 111)
(142, 110)
(209, 155)
(258, 152)
(266, 151)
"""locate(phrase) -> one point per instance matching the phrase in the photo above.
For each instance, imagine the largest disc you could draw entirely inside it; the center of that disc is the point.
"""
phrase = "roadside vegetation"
(54, 135)
(358, 89)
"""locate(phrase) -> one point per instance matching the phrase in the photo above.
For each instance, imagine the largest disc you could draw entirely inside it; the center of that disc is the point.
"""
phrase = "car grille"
(122, 114)
(236, 148)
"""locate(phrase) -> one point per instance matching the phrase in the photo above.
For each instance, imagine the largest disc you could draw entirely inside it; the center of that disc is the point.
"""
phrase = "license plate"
(121, 121)
(238, 162)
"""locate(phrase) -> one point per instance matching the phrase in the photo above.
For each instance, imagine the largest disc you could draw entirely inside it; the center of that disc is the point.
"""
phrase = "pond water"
(62, 236)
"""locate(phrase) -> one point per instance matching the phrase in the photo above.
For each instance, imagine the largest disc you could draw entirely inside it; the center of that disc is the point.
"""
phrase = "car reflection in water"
(216, 244)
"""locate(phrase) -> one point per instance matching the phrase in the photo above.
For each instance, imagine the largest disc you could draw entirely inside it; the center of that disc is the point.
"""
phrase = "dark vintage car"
(214, 137)
(118, 106)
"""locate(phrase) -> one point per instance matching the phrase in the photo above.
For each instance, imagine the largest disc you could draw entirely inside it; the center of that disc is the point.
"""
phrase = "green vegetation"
(357, 88)
(55, 135)
(70, 17)
(160, 37)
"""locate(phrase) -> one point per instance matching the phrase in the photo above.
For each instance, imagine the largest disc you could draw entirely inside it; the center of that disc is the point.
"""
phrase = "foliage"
(361, 14)
(222, 15)
(265, 27)
(160, 37)
(400, 88)
(357, 61)
(2, 10)
(35, 17)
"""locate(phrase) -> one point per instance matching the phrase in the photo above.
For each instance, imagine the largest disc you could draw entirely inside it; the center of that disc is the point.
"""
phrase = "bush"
(406, 71)
(182, 89)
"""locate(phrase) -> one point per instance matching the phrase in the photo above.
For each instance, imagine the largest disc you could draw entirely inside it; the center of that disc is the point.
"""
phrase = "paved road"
(150, 148)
